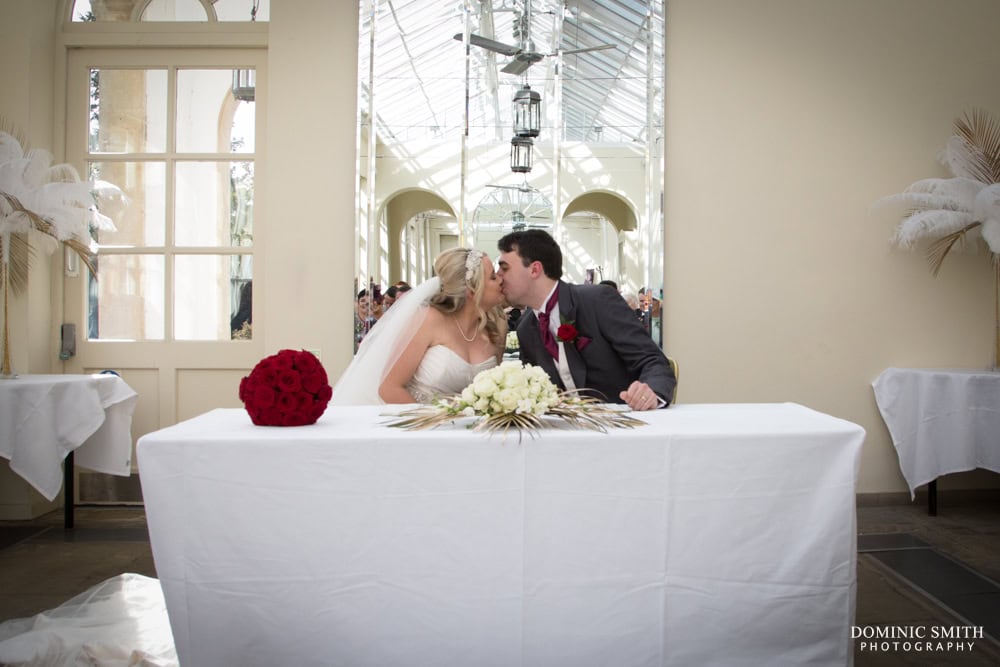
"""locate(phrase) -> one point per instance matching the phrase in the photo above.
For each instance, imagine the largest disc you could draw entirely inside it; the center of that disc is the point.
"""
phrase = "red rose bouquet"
(289, 388)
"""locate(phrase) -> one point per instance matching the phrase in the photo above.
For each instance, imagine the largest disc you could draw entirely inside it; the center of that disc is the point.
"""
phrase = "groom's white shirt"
(561, 364)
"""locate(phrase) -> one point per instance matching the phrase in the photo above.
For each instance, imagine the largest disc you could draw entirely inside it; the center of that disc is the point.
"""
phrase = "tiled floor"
(952, 555)
(53, 565)
(48, 565)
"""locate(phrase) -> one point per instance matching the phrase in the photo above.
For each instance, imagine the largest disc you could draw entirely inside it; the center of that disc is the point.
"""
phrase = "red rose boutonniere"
(567, 333)
(289, 388)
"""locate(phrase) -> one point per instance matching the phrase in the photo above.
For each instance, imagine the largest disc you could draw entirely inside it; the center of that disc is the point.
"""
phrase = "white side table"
(46, 419)
(941, 421)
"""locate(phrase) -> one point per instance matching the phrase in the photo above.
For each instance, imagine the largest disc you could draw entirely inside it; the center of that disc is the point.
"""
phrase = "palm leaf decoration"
(980, 132)
(949, 212)
(518, 397)
(21, 254)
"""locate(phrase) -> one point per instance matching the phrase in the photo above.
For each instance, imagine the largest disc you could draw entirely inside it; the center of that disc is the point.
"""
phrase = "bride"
(434, 340)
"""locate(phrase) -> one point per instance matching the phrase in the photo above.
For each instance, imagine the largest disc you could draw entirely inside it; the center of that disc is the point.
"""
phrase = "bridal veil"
(382, 346)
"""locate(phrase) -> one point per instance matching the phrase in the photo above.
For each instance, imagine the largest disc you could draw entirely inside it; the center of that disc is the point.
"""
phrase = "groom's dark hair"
(534, 245)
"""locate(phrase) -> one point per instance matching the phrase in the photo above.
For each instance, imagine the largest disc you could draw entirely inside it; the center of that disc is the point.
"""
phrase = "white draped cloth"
(941, 421)
(45, 417)
(713, 534)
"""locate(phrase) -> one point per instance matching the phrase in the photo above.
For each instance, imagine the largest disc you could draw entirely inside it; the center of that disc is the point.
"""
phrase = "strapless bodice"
(442, 372)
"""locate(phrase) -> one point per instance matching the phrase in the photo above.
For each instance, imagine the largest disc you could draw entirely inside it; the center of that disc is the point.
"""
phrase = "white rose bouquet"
(509, 388)
(515, 395)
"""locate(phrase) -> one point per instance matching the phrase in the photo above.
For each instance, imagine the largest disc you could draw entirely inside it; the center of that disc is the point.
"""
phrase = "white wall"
(786, 119)
(26, 51)
(308, 202)
(26, 74)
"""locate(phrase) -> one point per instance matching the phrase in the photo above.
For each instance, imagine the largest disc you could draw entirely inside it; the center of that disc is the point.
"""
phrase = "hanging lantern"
(517, 221)
(527, 112)
(245, 80)
(244, 84)
(520, 155)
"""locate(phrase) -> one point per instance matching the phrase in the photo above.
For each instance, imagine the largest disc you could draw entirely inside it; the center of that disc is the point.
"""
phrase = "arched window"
(170, 10)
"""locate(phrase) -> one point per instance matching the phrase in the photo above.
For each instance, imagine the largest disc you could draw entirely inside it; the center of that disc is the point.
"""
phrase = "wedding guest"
(584, 336)
(513, 317)
(434, 341)
(651, 315)
(389, 298)
(244, 312)
(366, 313)
(629, 297)
(633, 302)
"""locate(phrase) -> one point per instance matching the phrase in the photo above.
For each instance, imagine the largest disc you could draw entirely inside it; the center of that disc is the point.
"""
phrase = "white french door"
(170, 305)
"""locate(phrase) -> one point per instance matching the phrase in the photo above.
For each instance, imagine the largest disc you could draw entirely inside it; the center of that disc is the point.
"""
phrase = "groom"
(589, 338)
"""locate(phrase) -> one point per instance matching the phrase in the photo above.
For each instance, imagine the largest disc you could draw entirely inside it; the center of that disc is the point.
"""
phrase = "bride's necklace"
(462, 331)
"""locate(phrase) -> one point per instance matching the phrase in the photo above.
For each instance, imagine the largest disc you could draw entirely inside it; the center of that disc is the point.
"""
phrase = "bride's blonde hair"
(461, 269)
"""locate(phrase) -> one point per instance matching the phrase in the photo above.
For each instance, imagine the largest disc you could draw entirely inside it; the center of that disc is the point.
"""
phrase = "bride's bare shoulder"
(428, 322)
(433, 317)
(436, 328)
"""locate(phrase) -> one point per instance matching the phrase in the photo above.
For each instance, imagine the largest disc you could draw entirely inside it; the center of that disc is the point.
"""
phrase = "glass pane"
(240, 10)
(82, 11)
(207, 293)
(127, 113)
(174, 10)
(139, 220)
(225, 10)
(85, 10)
(214, 204)
(125, 302)
(210, 118)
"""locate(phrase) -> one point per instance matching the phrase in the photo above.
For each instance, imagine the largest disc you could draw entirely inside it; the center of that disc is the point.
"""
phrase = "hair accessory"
(472, 261)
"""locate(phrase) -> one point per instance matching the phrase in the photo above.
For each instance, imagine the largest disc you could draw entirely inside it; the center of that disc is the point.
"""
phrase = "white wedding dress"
(443, 372)
(120, 622)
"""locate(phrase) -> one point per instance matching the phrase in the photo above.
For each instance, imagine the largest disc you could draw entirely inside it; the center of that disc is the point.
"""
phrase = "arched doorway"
(417, 222)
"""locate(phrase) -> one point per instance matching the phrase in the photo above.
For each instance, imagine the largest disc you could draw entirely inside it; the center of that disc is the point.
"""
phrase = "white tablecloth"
(44, 417)
(941, 421)
(715, 535)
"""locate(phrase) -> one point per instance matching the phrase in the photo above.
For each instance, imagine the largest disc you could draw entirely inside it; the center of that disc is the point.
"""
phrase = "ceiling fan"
(515, 207)
(524, 54)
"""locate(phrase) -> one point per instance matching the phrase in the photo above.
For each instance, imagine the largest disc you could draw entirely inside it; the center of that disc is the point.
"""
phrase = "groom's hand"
(640, 397)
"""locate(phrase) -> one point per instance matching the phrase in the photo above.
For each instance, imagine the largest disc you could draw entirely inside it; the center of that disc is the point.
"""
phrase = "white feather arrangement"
(37, 195)
(963, 208)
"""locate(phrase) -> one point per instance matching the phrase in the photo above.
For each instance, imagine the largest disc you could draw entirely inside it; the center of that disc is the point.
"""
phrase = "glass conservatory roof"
(609, 95)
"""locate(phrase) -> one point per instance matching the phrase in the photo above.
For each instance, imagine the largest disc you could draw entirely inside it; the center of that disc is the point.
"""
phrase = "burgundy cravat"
(543, 324)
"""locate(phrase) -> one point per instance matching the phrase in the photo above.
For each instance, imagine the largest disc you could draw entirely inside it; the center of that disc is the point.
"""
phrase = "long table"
(941, 421)
(713, 535)
(46, 419)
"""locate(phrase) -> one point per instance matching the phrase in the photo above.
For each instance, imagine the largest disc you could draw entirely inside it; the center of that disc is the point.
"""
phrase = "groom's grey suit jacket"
(619, 352)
